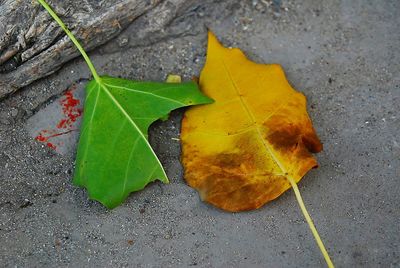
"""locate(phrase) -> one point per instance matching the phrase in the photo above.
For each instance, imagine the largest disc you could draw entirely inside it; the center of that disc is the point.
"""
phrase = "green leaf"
(114, 156)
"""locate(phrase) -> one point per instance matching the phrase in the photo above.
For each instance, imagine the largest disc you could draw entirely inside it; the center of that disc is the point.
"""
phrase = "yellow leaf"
(254, 141)
(239, 150)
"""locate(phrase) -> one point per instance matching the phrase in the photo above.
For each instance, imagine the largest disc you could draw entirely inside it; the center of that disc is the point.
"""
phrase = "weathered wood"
(32, 45)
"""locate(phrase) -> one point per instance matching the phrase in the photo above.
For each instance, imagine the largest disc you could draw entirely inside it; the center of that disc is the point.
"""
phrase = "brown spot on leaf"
(231, 190)
(229, 181)
(286, 137)
(312, 142)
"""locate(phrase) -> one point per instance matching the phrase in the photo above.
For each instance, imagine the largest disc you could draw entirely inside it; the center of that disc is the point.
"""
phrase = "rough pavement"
(344, 55)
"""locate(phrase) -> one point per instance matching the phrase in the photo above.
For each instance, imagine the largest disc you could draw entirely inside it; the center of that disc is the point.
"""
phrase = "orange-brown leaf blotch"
(240, 151)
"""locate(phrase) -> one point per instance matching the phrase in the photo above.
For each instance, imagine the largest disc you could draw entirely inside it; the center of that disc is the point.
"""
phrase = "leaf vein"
(251, 116)
(133, 124)
(146, 93)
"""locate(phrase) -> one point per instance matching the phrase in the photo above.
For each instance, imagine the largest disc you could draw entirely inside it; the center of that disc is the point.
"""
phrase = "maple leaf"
(254, 142)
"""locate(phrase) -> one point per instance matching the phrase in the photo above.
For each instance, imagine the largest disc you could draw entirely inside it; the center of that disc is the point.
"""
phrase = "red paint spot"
(70, 110)
(52, 146)
(62, 123)
(70, 113)
(40, 138)
(45, 135)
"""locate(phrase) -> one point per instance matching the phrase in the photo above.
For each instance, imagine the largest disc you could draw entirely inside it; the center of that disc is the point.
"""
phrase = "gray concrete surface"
(344, 55)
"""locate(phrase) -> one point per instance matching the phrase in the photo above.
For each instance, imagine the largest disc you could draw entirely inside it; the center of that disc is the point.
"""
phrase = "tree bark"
(32, 45)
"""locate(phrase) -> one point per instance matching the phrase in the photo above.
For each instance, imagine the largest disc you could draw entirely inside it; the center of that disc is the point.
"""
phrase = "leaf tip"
(212, 36)
(164, 179)
(212, 41)
(104, 202)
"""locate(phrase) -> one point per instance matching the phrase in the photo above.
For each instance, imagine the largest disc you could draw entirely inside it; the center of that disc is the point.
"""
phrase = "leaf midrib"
(253, 119)
(133, 124)
(146, 93)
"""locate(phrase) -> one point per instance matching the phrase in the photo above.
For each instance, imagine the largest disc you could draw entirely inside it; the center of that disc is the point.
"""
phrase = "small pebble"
(14, 112)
